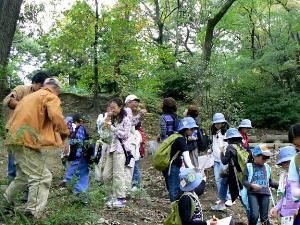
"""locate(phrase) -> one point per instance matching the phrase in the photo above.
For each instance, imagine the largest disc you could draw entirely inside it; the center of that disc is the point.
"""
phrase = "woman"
(114, 167)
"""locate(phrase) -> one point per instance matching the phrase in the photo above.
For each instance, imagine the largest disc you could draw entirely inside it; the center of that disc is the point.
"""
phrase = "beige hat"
(131, 98)
(52, 80)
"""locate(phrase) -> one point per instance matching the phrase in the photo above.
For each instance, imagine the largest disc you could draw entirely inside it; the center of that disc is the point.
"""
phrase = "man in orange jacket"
(12, 100)
(36, 126)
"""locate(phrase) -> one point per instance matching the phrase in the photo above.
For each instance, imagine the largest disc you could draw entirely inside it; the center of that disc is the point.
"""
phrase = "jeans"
(11, 167)
(172, 181)
(136, 179)
(80, 168)
(223, 192)
(218, 167)
(259, 206)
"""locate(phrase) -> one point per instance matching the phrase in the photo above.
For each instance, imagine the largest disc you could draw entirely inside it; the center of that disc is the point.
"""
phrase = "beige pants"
(32, 172)
(128, 175)
(114, 170)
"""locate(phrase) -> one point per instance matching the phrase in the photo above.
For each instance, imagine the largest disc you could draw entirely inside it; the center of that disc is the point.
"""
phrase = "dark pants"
(259, 206)
(11, 167)
(172, 181)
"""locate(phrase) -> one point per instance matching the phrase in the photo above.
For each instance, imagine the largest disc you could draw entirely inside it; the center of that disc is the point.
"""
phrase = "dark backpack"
(203, 140)
(87, 148)
(171, 123)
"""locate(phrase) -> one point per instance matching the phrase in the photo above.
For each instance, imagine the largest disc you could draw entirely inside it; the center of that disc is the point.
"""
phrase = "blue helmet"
(187, 123)
(219, 118)
(232, 133)
(286, 154)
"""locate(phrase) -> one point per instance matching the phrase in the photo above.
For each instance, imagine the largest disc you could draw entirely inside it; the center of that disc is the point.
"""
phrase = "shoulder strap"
(269, 171)
(250, 171)
(193, 198)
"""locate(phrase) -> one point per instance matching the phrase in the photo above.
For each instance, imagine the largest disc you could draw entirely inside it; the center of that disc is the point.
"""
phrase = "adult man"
(36, 126)
(12, 100)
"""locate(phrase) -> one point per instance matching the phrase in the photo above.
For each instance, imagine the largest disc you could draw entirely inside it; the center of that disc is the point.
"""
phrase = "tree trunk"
(209, 35)
(9, 14)
(96, 70)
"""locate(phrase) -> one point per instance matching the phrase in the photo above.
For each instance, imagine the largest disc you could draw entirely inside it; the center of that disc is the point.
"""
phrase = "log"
(269, 138)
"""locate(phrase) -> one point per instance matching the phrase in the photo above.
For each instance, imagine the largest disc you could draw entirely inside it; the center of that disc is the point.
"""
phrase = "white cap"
(52, 80)
(131, 98)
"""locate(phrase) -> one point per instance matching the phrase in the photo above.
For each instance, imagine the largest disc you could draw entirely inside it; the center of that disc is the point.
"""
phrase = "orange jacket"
(38, 121)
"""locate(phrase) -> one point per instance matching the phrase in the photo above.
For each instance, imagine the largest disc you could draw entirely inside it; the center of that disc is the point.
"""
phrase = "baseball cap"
(53, 81)
(131, 98)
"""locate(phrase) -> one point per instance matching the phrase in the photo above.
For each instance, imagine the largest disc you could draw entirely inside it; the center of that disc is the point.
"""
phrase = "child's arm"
(276, 210)
(247, 184)
(225, 156)
(272, 183)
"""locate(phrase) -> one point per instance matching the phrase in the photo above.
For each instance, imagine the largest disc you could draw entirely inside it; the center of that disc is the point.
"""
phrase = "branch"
(186, 41)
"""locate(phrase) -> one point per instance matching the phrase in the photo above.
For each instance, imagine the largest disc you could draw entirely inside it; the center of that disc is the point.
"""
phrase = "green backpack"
(161, 158)
(174, 217)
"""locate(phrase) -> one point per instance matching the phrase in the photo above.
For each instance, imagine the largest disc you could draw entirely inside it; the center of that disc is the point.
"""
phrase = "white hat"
(131, 98)
(52, 80)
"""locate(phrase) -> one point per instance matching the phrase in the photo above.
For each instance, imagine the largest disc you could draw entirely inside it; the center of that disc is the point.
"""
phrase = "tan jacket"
(17, 93)
(38, 121)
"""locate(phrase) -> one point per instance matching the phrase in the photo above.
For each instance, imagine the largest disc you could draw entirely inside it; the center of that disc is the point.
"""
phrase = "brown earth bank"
(147, 206)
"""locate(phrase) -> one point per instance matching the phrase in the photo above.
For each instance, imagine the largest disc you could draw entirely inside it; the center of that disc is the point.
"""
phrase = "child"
(286, 206)
(169, 119)
(218, 130)
(236, 158)
(79, 163)
(294, 172)
(257, 179)
(178, 151)
(189, 181)
(244, 127)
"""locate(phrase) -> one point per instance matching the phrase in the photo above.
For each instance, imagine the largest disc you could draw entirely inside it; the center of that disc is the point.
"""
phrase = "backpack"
(174, 218)
(171, 123)
(243, 157)
(203, 140)
(87, 148)
(297, 163)
(162, 156)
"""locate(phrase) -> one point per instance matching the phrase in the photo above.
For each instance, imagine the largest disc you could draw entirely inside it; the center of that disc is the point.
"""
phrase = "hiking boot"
(228, 203)
(218, 207)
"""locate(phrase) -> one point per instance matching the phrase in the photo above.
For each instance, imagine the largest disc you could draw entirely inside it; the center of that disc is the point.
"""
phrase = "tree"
(9, 14)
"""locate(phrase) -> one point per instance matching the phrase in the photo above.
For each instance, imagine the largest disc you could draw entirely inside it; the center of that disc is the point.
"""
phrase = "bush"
(272, 107)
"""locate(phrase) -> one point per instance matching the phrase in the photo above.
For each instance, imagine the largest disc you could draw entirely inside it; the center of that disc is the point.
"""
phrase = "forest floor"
(149, 205)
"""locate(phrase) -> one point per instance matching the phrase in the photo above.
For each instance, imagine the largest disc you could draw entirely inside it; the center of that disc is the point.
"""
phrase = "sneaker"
(228, 203)
(119, 203)
(218, 207)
